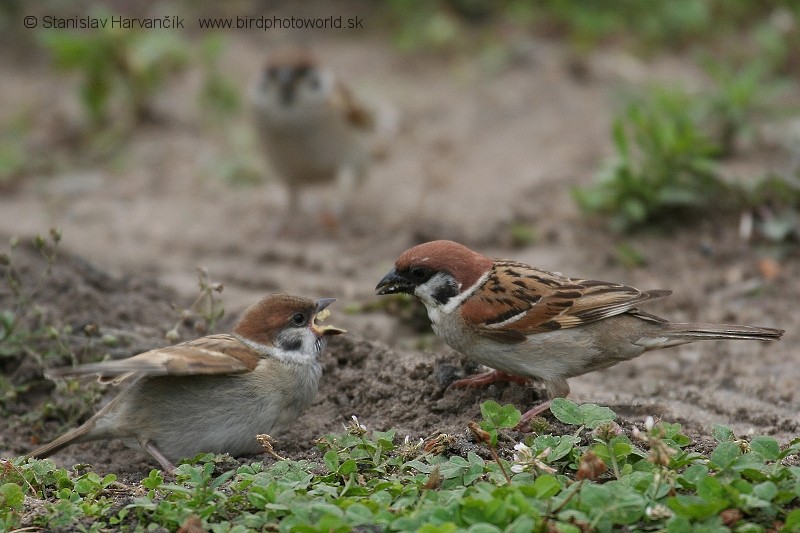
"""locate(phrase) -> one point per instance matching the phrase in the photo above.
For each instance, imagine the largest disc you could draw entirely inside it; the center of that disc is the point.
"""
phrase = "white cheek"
(425, 293)
(308, 351)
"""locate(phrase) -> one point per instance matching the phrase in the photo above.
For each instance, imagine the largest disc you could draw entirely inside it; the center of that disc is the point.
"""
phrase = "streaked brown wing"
(518, 300)
(215, 354)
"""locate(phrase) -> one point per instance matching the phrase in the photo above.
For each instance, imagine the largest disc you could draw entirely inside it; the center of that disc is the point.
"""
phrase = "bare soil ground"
(479, 147)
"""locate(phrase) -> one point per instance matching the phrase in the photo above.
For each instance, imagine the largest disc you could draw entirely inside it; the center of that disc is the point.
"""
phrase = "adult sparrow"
(528, 323)
(212, 394)
(312, 127)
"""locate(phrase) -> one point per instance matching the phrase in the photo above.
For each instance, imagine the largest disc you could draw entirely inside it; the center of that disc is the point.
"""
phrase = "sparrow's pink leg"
(536, 411)
(482, 380)
(151, 448)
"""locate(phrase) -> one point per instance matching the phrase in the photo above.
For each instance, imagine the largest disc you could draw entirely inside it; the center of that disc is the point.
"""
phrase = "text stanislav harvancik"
(90, 22)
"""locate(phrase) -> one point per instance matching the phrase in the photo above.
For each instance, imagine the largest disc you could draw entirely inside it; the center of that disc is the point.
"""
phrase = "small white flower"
(523, 453)
(525, 460)
(408, 444)
(355, 427)
(520, 446)
(649, 423)
(657, 512)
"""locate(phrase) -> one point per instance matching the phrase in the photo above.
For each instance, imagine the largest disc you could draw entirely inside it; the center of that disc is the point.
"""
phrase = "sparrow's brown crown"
(262, 321)
(465, 265)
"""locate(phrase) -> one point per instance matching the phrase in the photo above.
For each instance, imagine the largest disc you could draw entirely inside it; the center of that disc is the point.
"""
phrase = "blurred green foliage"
(13, 161)
(646, 26)
(218, 94)
(742, 95)
(661, 23)
(122, 70)
(669, 146)
(117, 61)
(664, 163)
(422, 25)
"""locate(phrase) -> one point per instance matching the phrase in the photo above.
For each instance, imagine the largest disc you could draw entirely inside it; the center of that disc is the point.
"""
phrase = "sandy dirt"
(479, 147)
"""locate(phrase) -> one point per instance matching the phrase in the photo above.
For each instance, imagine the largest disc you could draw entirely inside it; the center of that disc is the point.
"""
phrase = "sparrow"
(213, 394)
(311, 126)
(527, 323)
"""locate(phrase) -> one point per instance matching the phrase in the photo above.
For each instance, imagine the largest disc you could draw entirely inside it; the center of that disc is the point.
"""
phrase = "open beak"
(321, 314)
(393, 283)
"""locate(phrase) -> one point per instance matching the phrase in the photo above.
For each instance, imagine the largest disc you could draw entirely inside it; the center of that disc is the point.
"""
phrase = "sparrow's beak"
(323, 303)
(393, 283)
(321, 314)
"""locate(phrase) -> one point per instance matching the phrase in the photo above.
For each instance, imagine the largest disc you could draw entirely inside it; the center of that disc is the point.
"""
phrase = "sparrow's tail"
(95, 428)
(73, 436)
(724, 331)
(675, 334)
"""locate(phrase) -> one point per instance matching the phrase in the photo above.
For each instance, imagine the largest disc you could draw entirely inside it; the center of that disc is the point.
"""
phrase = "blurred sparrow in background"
(313, 129)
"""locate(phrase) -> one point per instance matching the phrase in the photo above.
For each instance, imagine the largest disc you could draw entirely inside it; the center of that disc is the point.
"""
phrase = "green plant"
(740, 96)
(114, 62)
(205, 311)
(668, 144)
(658, 23)
(14, 156)
(31, 337)
(24, 330)
(664, 164)
(423, 25)
(373, 480)
(218, 94)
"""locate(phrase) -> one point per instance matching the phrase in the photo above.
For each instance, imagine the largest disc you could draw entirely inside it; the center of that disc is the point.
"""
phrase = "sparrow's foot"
(482, 380)
(536, 411)
(151, 448)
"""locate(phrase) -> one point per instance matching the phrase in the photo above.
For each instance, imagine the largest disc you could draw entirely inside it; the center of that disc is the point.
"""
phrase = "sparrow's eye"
(299, 319)
(420, 273)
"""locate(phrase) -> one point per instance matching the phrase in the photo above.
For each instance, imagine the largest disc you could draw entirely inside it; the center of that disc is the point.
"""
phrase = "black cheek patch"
(445, 292)
(292, 344)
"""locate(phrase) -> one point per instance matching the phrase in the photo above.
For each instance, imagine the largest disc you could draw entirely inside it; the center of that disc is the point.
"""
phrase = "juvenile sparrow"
(311, 126)
(215, 393)
(528, 323)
